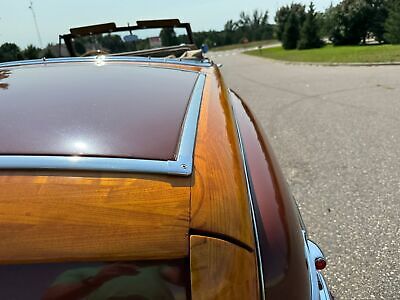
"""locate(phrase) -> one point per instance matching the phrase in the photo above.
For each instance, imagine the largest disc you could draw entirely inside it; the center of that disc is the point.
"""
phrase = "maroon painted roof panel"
(113, 110)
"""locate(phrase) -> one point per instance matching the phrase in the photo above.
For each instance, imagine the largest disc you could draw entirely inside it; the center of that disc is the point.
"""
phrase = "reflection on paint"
(114, 280)
(4, 74)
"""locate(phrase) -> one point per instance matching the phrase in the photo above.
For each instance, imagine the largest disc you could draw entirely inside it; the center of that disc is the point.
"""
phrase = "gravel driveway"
(336, 133)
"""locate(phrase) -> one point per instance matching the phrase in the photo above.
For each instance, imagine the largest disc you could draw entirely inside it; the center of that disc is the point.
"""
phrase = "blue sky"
(56, 17)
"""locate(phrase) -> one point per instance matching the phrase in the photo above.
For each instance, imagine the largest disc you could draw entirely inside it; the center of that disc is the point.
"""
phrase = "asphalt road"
(336, 133)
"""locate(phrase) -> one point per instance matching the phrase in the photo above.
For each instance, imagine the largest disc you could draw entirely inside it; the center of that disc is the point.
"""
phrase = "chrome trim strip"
(105, 58)
(183, 165)
(184, 158)
(312, 252)
(324, 293)
(252, 210)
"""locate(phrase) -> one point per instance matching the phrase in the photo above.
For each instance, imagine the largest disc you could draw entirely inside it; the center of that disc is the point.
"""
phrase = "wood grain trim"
(63, 217)
(219, 201)
(221, 270)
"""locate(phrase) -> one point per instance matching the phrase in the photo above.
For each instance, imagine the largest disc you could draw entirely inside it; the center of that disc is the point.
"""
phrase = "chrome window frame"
(182, 165)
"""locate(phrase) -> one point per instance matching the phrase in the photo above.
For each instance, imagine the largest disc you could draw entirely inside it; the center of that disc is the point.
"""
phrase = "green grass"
(244, 46)
(332, 54)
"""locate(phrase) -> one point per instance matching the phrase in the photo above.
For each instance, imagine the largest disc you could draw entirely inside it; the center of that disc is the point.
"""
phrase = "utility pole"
(36, 24)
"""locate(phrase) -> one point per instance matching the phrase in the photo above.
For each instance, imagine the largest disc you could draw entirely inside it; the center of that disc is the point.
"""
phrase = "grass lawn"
(332, 54)
(244, 46)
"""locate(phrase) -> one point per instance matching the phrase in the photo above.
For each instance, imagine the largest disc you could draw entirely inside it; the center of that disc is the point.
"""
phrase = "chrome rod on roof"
(105, 58)
(183, 165)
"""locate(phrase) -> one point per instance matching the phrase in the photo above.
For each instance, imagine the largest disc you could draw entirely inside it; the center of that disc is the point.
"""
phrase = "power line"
(36, 24)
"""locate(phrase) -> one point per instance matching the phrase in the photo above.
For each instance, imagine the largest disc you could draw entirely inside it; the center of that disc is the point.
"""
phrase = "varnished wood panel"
(221, 270)
(83, 216)
(219, 200)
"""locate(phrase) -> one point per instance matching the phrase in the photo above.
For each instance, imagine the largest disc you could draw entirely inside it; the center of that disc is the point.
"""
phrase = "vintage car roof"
(89, 108)
(105, 215)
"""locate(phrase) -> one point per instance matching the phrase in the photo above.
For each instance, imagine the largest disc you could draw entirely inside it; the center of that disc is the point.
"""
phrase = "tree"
(291, 32)
(254, 27)
(48, 53)
(377, 24)
(31, 52)
(112, 43)
(328, 22)
(353, 21)
(320, 23)
(392, 24)
(249, 27)
(230, 28)
(289, 20)
(10, 52)
(309, 35)
(282, 16)
(168, 37)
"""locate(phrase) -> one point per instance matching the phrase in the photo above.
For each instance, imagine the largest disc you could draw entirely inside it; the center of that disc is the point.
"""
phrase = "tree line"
(351, 22)
(249, 27)
(10, 52)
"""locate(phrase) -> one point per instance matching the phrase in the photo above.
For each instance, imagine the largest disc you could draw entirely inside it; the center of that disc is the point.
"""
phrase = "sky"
(55, 17)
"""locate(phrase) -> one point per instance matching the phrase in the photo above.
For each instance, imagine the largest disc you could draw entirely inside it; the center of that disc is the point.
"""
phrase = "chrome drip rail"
(105, 58)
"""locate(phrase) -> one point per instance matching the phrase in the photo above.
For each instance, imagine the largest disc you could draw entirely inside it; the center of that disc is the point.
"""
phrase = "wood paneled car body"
(142, 178)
